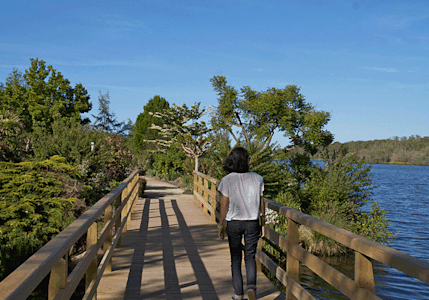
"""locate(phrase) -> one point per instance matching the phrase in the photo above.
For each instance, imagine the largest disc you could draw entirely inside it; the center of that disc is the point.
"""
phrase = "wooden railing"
(362, 287)
(52, 258)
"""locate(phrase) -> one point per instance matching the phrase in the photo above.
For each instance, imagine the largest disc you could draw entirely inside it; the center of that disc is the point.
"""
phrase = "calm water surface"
(404, 194)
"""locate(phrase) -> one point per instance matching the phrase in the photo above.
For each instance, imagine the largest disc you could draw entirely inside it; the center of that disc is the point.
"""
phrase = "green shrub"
(169, 164)
(36, 202)
(335, 194)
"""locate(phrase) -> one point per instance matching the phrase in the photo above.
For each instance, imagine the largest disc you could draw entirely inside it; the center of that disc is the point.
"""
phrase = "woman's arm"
(223, 209)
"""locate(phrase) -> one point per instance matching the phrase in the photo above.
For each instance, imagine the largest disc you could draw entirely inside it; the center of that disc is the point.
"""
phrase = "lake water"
(404, 194)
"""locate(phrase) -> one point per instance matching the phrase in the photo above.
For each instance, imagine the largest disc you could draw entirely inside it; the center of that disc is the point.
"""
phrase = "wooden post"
(124, 208)
(195, 187)
(364, 275)
(91, 272)
(118, 220)
(258, 262)
(137, 183)
(292, 264)
(108, 213)
(206, 194)
(200, 190)
(58, 278)
(213, 201)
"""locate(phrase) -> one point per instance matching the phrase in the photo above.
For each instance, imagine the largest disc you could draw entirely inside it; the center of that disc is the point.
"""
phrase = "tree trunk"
(196, 163)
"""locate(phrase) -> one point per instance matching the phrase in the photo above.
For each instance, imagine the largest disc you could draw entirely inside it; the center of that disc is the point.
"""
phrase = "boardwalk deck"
(171, 251)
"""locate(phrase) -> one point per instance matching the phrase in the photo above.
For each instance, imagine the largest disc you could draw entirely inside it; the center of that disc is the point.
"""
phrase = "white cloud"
(387, 70)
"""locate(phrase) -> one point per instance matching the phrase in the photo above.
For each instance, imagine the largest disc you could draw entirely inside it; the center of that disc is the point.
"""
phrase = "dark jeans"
(251, 232)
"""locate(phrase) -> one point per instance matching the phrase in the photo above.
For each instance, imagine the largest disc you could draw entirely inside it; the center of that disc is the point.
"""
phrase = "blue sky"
(365, 62)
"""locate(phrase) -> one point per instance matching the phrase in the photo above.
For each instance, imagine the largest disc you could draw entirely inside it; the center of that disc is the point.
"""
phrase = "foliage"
(10, 143)
(68, 139)
(42, 95)
(211, 162)
(108, 161)
(143, 131)
(192, 137)
(169, 164)
(261, 162)
(106, 120)
(260, 114)
(374, 225)
(412, 150)
(36, 203)
(336, 193)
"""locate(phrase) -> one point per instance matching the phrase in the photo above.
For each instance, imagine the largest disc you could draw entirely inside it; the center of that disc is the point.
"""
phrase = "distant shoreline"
(413, 150)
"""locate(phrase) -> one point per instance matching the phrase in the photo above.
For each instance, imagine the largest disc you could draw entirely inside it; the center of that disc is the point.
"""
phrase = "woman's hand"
(221, 232)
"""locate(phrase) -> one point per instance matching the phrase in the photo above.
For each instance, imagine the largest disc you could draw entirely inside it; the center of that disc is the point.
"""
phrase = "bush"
(335, 194)
(169, 164)
(36, 202)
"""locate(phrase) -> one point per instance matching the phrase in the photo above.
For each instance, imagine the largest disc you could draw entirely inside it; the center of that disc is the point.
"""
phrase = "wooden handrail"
(362, 287)
(52, 257)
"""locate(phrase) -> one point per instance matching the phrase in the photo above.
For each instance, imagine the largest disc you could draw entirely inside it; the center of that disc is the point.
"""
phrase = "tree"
(10, 129)
(259, 115)
(143, 131)
(192, 137)
(106, 120)
(36, 203)
(42, 95)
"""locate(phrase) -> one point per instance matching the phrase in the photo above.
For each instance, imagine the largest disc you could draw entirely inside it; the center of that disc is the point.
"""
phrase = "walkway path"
(171, 251)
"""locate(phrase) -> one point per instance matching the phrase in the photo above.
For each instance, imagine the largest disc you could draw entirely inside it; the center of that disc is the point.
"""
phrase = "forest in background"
(413, 150)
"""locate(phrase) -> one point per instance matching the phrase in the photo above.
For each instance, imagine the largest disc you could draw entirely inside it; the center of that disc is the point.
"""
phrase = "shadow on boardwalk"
(171, 251)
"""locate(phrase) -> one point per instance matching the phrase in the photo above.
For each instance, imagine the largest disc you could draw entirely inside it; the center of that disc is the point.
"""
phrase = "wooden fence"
(52, 259)
(362, 287)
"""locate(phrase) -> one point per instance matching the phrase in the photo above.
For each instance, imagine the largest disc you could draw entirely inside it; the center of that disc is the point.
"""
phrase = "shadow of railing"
(164, 239)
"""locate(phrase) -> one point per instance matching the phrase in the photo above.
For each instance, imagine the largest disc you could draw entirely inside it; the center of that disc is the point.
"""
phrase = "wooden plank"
(91, 271)
(411, 266)
(108, 241)
(296, 289)
(364, 274)
(211, 179)
(80, 269)
(58, 278)
(196, 267)
(201, 200)
(292, 264)
(332, 276)
(213, 203)
(206, 195)
(92, 287)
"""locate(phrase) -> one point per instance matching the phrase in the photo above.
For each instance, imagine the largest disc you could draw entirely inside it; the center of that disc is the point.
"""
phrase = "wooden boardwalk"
(171, 251)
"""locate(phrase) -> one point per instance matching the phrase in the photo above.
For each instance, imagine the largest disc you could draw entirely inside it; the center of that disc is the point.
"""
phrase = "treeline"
(412, 150)
(54, 163)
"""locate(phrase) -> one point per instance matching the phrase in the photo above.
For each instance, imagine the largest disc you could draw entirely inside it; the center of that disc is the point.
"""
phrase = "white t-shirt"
(244, 191)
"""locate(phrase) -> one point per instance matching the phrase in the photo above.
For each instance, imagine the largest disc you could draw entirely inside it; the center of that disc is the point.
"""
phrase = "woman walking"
(242, 205)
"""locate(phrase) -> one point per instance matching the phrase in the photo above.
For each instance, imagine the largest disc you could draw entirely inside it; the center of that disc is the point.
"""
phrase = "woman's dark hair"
(237, 161)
